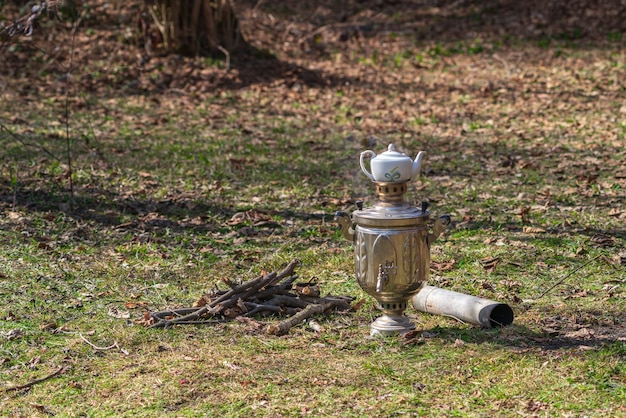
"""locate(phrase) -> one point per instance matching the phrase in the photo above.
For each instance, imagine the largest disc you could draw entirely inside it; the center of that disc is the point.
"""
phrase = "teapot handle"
(364, 154)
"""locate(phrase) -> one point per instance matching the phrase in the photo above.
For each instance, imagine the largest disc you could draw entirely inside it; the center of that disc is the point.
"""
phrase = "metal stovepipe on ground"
(474, 310)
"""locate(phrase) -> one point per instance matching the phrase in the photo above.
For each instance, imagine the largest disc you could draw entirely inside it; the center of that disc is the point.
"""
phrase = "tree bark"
(196, 27)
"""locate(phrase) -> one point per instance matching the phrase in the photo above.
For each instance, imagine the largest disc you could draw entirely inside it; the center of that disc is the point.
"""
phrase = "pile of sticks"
(275, 293)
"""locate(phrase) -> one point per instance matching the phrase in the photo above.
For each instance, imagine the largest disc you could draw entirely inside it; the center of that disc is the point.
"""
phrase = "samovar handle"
(440, 225)
(346, 225)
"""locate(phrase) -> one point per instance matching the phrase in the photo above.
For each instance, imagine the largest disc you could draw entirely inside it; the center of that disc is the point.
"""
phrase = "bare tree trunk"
(196, 27)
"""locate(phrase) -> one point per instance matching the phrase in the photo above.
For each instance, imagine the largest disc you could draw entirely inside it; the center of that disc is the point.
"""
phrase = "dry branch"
(96, 347)
(36, 381)
(24, 25)
(270, 294)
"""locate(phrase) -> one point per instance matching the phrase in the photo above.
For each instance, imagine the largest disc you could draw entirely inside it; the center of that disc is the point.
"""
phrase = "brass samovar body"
(391, 252)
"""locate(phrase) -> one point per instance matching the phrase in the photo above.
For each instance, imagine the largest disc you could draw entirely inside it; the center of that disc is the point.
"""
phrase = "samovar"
(391, 239)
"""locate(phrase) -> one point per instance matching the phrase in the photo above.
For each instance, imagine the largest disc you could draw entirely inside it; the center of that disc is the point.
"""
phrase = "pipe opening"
(501, 315)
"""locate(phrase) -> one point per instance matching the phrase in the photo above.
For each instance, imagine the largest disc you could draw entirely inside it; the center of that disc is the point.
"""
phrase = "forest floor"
(172, 175)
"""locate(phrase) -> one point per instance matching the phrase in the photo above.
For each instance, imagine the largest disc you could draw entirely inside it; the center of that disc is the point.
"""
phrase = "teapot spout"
(417, 165)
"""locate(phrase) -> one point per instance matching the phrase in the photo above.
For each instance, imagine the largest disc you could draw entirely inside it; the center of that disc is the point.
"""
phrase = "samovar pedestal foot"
(392, 321)
(388, 325)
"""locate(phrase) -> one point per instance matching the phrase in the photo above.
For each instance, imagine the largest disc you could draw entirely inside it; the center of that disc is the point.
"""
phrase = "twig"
(315, 306)
(208, 321)
(282, 288)
(82, 337)
(24, 25)
(568, 275)
(257, 5)
(255, 308)
(321, 29)
(15, 187)
(504, 62)
(284, 326)
(67, 106)
(226, 54)
(458, 3)
(60, 370)
(27, 144)
(286, 300)
(174, 312)
(95, 347)
(193, 316)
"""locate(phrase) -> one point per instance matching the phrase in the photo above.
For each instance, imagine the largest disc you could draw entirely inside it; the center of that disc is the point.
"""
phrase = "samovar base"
(390, 324)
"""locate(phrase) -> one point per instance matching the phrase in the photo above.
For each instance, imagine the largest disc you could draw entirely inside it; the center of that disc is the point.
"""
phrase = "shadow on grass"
(555, 333)
(553, 237)
(177, 214)
(434, 21)
(111, 208)
(451, 20)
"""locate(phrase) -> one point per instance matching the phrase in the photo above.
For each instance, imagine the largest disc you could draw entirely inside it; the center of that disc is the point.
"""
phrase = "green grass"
(151, 226)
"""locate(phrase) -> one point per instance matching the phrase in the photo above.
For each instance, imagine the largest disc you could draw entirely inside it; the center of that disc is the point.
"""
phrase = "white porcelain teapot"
(391, 166)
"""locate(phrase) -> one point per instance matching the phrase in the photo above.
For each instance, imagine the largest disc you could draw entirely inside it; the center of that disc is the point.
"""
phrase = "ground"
(186, 170)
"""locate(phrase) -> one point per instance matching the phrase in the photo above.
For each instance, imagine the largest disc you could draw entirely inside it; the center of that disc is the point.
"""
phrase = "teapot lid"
(392, 154)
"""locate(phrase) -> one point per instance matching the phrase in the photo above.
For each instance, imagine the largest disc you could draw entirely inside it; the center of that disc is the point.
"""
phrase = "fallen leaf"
(231, 365)
(614, 212)
(523, 213)
(315, 326)
(490, 263)
(34, 362)
(443, 265)
(533, 230)
(41, 408)
(338, 201)
(511, 284)
(14, 216)
(117, 313)
(581, 294)
(358, 305)
(13, 334)
(585, 348)
(43, 245)
(146, 319)
(487, 286)
(525, 164)
(535, 406)
(48, 326)
(603, 240)
(200, 302)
